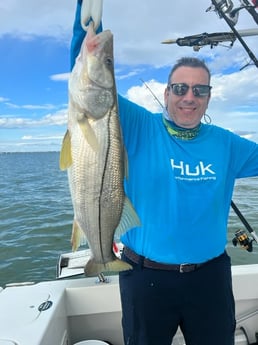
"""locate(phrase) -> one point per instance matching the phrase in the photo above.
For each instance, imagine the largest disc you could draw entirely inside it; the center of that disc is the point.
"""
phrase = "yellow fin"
(93, 268)
(89, 134)
(129, 218)
(78, 236)
(65, 160)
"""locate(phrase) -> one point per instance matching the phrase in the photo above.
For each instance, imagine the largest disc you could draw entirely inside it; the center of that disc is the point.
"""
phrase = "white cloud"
(60, 77)
(42, 137)
(138, 27)
(56, 119)
(236, 90)
(3, 99)
(37, 18)
(148, 95)
(30, 106)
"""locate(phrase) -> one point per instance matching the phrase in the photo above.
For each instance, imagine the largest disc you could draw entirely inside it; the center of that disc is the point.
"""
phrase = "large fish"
(94, 155)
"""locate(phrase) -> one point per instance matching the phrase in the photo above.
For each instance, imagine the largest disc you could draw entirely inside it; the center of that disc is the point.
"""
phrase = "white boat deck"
(66, 311)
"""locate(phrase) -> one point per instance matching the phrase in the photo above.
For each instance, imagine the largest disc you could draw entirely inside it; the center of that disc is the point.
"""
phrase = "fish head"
(92, 82)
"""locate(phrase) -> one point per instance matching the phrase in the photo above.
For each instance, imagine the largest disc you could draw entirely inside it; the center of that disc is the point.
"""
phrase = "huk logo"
(199, 172)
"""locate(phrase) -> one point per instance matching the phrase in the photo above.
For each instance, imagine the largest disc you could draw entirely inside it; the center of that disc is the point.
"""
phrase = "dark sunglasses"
(181, 89)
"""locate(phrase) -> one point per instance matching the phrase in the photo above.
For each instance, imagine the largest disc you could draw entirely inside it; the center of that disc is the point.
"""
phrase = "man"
(181, 180)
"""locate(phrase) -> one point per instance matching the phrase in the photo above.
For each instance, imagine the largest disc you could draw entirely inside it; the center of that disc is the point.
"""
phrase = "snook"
(93, 153)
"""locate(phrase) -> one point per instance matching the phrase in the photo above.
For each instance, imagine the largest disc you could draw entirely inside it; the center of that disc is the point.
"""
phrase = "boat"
(79, 310)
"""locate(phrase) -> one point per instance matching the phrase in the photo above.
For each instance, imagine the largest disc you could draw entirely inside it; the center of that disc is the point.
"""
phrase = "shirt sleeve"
(135, 122)
(244, 157)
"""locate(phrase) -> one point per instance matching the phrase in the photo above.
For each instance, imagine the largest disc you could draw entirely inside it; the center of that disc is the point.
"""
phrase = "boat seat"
(91, 342)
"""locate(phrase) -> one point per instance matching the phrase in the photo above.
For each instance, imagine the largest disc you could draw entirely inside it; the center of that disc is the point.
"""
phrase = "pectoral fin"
(65, 160)
(89, 134)
(129, 218)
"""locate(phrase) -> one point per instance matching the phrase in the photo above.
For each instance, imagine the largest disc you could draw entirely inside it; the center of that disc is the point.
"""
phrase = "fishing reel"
(225, 7)
(243, 240)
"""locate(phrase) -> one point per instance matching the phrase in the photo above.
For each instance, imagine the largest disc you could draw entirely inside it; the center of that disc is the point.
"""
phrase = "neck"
(178, 131)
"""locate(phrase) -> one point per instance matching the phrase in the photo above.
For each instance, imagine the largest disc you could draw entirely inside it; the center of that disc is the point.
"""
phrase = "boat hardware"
(223, 8)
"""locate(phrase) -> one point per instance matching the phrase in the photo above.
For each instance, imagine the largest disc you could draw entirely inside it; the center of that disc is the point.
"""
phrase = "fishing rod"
(250, 8)
(153, 94)
(241, 237)
(223, 7)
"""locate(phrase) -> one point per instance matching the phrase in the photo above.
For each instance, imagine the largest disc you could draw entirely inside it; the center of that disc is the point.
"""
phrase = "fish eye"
(109, 61)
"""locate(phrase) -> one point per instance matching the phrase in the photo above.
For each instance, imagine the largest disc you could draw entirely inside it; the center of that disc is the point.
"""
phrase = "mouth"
(187, 109)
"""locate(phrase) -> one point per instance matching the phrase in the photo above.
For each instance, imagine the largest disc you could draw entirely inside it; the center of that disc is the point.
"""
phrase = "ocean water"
(36, 217)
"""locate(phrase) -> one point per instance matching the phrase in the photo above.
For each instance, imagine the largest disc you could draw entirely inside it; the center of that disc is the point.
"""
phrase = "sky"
(35, 41)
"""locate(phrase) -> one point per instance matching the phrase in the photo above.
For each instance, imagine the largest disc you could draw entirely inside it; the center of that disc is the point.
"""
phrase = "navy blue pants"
(156, 302)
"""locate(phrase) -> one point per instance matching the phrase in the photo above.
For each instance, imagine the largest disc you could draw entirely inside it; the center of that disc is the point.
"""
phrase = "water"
(36, 217)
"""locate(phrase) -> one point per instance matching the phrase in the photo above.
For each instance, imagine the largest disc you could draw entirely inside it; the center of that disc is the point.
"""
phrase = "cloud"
(237, 90)
(31, 106)
(57, 119)
(3, 99)
(60, 77)
(38, 138)
(149, 95)
(27, 18)
(138, 28)
(122, 75)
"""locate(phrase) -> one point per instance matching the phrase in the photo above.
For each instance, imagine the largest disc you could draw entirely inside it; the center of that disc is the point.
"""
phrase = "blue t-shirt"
(181, 189)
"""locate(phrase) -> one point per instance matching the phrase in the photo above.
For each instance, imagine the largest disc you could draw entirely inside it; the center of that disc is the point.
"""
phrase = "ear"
(166, 93)
(208, 100)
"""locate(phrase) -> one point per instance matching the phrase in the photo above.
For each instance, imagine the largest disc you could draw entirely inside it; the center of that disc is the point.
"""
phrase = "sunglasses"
(181, 89)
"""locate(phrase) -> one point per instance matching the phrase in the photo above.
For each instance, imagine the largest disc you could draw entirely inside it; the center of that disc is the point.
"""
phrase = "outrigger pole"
(252, 11)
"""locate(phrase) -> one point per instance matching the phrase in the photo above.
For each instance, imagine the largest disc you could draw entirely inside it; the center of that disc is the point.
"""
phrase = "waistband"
(183, 268)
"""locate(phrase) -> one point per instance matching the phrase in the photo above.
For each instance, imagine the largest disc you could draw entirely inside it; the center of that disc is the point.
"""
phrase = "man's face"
(187, 110)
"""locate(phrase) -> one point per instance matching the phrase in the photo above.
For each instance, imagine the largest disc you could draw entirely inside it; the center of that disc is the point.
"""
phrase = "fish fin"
(65, 160)
(93, 268)
(78, 237)
(129, 218)
(89, 134)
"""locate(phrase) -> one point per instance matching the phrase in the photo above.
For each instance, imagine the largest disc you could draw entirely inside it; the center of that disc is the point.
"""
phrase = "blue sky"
(34, 48)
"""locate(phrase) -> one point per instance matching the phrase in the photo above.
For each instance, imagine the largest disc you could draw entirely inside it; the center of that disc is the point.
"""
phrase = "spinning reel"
(241, 236)
(243, 240)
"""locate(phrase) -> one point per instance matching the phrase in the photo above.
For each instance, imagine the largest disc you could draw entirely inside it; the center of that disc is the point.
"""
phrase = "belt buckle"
(181, 268)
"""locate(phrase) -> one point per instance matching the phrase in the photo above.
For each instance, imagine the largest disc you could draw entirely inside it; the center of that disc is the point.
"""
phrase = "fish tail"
(93, 268)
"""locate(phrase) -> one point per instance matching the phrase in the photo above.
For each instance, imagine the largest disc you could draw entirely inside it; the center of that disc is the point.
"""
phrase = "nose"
(189, 96)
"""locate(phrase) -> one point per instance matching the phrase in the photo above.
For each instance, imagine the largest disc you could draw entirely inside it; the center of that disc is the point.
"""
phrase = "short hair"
(189, 62)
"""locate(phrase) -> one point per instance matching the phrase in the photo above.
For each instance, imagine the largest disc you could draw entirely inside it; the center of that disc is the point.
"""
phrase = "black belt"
(183, 268)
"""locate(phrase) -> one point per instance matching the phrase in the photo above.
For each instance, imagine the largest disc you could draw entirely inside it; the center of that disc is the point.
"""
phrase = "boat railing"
(246, 316)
